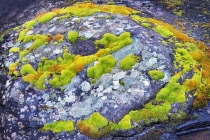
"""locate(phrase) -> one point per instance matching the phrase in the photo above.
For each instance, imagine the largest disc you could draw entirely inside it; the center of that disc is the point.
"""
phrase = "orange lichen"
(192, 84)
(58, 37)
(78, 66)
(32, 77)
(198, 56)
(182, 26)
(179, 35)
(203, 96)
(55, 68)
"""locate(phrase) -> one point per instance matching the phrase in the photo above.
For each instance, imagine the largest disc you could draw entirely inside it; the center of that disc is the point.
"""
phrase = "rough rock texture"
(25, 108)
(14, 13)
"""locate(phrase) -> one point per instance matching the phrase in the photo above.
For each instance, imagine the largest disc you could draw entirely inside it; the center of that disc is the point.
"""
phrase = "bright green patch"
(139, 19)
(72, 36)
(55, 43)
(113, 42)
(163, 42)
(59, 126)
(25, 60)
(105, 65)
(14, 49)
(30, 23)
(127, 62)
(156, 75)
(27, 69)
(162, 31)
(183, 59)
(179, 45)
(147, 25)
(111, 3)
(22, 34)
(172, 92)
(28, 38)
(46, 17)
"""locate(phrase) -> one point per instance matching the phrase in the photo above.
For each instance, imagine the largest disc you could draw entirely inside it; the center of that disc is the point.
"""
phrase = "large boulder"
(89, 71)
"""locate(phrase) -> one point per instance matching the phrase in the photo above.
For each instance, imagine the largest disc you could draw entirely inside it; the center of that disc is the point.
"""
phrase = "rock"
(85, 86)
(50, 83)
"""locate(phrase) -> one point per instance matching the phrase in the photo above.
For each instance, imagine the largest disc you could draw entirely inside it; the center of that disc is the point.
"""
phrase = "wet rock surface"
(24, 108)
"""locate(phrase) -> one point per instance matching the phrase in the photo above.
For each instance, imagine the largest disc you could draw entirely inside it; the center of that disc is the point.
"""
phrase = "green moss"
(172, 92)
(22, 34)
(72, 36)
(66, 58)
(14, 49)
(23, 53)
(27, 69)
(125, 123)
(25, 60)
(78, 20)
(105, 65)
(127, 62)
(97, 120)
(16, 28)
(63, 79)
(46, 17)
(139, 19)
(16, 73)
(191, 46)
(183, 59)
(39, 41)
(42, 79)
(147, 25)
(153, 112)
(95, 126)
(179, 45)
(48, 64)
(122, 83)
(28, 38)
(162, 31)
(55, 43)
(156, 75)
(113, 42)
(163, 42)
(111, 3)
(61, 40)
(65, 16)
(59, 126)
(13, 66)
(30, 23)
(89, 59)
(170, 40)
(179, 13)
